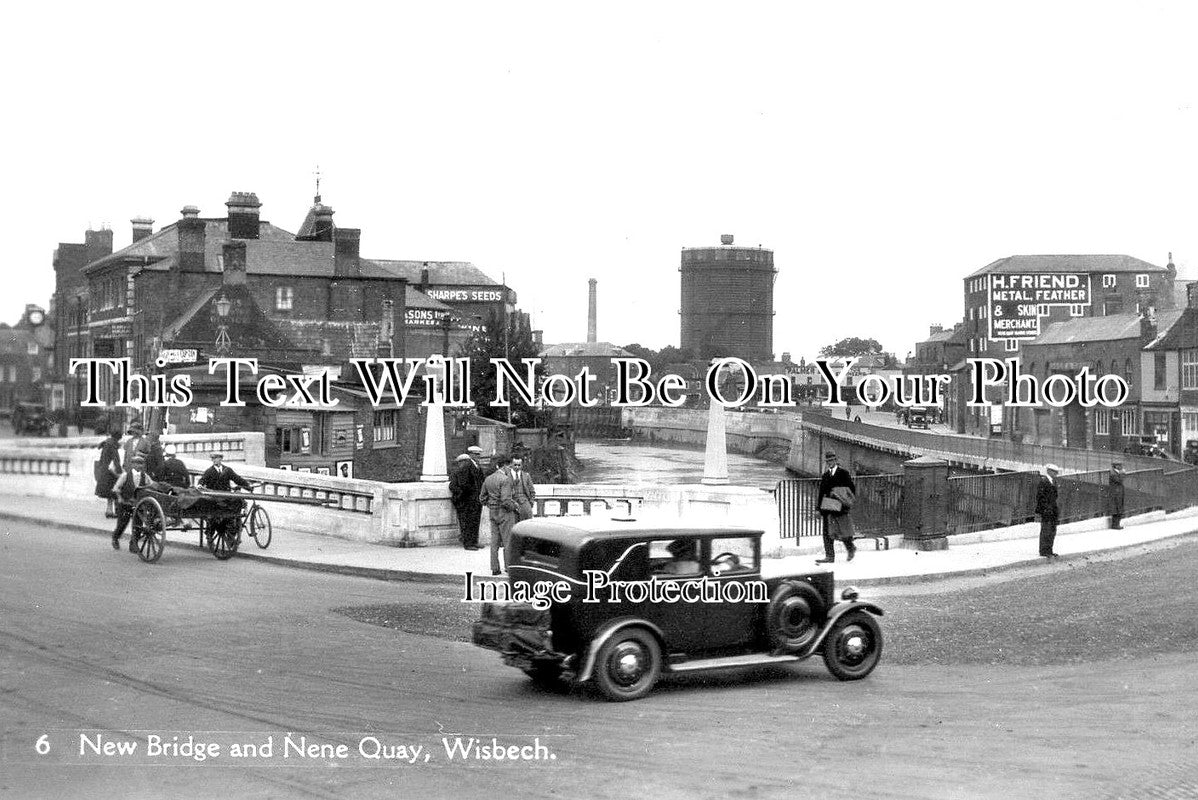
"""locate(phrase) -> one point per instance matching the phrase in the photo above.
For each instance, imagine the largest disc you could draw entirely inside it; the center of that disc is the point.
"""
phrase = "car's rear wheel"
(793, 616)
(628, 665)
(853, 646)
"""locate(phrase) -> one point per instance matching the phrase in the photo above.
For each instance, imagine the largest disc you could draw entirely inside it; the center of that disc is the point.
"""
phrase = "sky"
(882, 150)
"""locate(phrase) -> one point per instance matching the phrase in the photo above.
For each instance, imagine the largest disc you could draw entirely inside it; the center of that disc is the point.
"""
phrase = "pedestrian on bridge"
(498, 496)
(1048, 509)
(1115, 495)
(836, 490)
(464, 486)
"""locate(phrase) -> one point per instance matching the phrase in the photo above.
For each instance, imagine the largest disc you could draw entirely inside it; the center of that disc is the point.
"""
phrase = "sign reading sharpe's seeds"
(1017, 302)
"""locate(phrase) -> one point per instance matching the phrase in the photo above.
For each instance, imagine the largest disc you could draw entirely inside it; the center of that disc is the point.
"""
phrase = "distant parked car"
(918, 417)
(29, 419)
(621, 639)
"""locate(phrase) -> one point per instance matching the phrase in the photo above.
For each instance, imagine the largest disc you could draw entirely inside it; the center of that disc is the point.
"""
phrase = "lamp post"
(223, 342)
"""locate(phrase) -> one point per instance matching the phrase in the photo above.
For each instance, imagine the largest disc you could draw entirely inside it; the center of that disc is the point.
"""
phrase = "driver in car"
(684, 558)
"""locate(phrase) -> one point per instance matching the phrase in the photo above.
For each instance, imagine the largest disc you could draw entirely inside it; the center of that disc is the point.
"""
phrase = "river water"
(607, 461)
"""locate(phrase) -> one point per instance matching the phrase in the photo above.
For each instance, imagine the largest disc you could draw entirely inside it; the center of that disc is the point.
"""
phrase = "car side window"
(733, 555)
(675, 557)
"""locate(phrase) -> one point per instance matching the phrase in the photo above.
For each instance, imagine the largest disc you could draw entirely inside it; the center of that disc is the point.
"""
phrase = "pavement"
(968, 554)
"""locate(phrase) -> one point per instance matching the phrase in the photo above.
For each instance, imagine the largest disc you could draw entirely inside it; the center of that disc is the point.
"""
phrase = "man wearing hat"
(173, 470)
(465, 484)
(1047, 508)
(219, 478)
(1115, 495)
(127, 483)
(836, 489)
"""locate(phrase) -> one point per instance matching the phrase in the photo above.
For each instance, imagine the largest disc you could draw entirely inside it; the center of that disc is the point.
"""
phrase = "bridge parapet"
(987, 454)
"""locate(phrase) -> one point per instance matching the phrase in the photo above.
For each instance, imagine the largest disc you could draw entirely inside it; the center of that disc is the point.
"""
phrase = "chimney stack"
(233, 254)
(1192, 294)
(1148, 329)
(346, 257)
(142, 227)
(593, 313)
(935, 329)
(726, 239)
(243, 215)
(192, 231)
(97, 244)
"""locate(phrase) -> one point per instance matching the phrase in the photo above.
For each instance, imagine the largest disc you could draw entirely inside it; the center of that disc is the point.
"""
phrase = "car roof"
(578, 530)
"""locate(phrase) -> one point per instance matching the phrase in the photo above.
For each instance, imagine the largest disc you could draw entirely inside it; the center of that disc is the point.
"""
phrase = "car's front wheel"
(628, 665)
(853, 646)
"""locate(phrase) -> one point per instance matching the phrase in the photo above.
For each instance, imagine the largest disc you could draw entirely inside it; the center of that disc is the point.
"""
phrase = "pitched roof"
(1099, 329)
(584, 350)
(1178, 333)
(456, 273)
(161, 250)
(1065, 263)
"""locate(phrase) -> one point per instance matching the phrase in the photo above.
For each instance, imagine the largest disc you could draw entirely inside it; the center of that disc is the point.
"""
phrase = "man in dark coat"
(1115, 496)
(1047, 508)
(837, 525)
(219, 478)
(464, 486)
(173, 470)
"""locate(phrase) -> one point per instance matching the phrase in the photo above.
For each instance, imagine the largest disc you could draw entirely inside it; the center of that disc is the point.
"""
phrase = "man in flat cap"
(464, 486)
(127, 483)
(1047, 508)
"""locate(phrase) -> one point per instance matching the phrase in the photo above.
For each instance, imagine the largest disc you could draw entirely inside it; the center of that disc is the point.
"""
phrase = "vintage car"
(29, 419)
(616, 603)
(918, 417)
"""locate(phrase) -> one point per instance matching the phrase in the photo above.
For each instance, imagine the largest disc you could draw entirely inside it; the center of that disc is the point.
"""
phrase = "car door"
(733, 621)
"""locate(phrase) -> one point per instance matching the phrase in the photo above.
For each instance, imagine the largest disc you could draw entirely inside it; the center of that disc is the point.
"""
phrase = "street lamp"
(223, 343)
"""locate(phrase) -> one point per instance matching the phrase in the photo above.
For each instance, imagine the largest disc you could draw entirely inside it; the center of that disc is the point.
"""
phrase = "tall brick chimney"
(935, 329)
(243, 215)
(142, 227)
(192, 231)
(97, 244)
(233, 255)
(1192, 294)
(593, 312)
(346, 258)
(1148, 328)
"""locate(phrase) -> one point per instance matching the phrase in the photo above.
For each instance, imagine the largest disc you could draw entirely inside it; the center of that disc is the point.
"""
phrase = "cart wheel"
(224, 541)
(258, 526)
(149, 529)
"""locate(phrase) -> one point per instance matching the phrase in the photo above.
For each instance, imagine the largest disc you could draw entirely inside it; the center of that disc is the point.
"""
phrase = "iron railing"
(877, 510)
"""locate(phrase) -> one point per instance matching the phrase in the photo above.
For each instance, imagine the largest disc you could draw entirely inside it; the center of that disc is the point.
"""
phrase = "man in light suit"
(523, 490)
(497, 496)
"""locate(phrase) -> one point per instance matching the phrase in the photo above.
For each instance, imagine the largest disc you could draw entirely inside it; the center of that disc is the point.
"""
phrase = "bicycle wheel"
(258, 525)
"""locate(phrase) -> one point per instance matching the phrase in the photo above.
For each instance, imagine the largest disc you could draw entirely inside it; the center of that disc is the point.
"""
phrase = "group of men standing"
(508, 493)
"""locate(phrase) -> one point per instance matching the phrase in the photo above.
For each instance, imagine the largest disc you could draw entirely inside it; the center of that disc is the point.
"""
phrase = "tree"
(490, 342)
(852, 346)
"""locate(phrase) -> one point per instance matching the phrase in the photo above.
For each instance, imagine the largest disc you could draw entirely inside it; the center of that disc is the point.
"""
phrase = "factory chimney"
(592, 313)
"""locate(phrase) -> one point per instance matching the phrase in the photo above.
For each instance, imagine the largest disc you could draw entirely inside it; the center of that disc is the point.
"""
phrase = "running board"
(747, 660)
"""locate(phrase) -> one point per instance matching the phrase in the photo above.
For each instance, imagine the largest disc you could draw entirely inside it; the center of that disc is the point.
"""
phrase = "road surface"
(96, 647)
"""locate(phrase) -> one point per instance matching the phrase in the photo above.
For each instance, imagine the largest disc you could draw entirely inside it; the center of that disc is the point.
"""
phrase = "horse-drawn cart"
(219, 517)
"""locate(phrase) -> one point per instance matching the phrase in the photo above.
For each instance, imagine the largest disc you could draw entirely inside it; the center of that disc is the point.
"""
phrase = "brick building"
(26, 361)
(298, 301)
(1107, 345)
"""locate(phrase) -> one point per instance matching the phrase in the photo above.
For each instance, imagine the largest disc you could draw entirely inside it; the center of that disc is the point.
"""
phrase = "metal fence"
(979, 502)
(876, 512)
